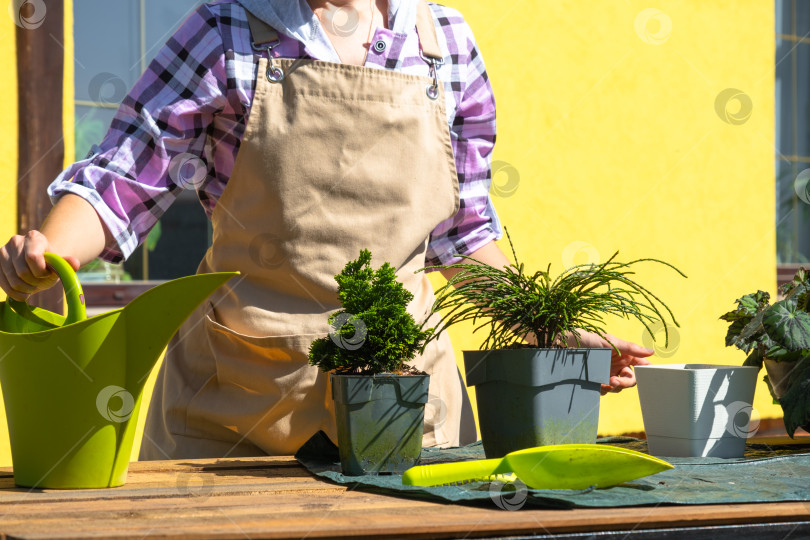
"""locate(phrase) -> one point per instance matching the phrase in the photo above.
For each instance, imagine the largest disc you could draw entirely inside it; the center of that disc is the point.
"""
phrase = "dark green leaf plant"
(373, 332)
(778, 332)
(514, 303)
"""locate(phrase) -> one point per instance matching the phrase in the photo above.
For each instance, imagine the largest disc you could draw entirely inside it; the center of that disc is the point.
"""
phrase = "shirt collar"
(295, 19)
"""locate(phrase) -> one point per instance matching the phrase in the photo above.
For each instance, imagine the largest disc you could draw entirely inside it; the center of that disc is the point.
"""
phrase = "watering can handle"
(73, 289)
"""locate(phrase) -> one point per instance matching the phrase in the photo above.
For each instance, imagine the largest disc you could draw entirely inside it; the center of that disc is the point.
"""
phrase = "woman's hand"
(621, 372)
(72, 229)
(22, 266)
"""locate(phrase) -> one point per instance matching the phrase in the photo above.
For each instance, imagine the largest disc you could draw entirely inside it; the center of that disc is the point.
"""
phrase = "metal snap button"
(380, 45)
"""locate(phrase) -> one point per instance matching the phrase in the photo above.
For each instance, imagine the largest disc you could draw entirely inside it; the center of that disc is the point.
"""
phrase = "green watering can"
(72, 386)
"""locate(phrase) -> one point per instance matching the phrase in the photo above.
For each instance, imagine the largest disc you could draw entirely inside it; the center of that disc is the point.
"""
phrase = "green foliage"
(153, 237)
(779, 332)
(515, 304)
(373, 333)
(747, 308)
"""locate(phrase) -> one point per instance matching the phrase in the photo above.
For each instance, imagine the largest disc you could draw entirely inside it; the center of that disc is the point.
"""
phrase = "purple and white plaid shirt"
(195, 99)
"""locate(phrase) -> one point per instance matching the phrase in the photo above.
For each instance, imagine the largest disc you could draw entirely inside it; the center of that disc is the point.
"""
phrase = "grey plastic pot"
(536, 397)
(380, 420)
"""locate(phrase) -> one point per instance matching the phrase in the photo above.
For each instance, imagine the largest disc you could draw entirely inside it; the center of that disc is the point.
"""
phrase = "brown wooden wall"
(40, 70)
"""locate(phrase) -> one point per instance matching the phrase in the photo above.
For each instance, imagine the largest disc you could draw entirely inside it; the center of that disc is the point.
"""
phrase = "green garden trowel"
(72, 386)
(562, 466)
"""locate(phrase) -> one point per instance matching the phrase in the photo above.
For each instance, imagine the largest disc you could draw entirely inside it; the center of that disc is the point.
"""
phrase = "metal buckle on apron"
(432, 90)
(274, 73)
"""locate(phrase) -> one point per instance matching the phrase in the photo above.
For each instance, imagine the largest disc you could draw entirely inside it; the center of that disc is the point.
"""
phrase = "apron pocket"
(275, 365)
(264, 390)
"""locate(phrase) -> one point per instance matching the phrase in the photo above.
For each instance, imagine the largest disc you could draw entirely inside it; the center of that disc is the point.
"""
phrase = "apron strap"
(261, 32)
(427, 33)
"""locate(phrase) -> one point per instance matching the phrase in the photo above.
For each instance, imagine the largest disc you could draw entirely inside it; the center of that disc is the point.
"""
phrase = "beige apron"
(335, 158)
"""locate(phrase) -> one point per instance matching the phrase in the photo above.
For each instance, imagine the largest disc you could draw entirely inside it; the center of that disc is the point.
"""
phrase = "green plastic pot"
(536, 397)
(72, 386)
(380, 421)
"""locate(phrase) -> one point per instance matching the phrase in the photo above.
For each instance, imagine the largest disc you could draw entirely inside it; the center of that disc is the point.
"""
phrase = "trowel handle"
(438, 474)
(74, 295)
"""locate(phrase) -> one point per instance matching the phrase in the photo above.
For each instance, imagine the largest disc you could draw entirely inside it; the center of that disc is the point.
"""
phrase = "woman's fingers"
(5, 270)
(628, 348)
(625, 378)
(22, 265)
(29, 264)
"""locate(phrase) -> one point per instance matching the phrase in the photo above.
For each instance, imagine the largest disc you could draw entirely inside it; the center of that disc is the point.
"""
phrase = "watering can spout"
(153, 317)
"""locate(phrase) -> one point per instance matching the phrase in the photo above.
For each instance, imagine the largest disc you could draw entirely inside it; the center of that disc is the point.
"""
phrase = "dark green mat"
(766, 474)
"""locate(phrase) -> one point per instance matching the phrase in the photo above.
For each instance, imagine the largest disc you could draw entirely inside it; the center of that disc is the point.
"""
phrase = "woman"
(310, 130)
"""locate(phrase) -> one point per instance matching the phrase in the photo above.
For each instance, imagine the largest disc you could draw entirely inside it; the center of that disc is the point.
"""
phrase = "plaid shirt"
(192, 104)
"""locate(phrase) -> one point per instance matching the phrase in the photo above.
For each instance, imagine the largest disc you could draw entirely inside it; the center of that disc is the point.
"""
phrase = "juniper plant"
(373, 333)
(515, 304)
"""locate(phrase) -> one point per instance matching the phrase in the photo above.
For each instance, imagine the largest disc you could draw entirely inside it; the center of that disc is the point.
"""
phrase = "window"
(114, 43)
(792, 131)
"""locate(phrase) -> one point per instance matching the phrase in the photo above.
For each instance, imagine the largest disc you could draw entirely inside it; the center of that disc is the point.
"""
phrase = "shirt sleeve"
(156, 144)
(473, 137)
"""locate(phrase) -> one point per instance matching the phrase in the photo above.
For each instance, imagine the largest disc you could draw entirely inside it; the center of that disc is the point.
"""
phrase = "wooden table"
(274, 497)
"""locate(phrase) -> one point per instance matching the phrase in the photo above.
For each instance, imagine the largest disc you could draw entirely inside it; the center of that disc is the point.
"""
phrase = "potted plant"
(777, 336)
(548, 392)
(379, 399)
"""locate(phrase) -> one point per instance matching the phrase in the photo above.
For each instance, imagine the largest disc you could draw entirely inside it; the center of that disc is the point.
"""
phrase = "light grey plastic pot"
(380, 421)
(696, 410)
(536, 397)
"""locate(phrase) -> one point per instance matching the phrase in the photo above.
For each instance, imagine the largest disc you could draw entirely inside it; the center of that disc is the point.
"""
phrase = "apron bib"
(335, 158)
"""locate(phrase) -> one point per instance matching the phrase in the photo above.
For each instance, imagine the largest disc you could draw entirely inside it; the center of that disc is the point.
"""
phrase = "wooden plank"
(323, 515)
(339, 520)
(137, 467)
(210, 464)
(268, 497)
(179, 487)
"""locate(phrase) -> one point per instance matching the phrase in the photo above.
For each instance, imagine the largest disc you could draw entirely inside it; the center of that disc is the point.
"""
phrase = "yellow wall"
(611, 125)
(8, 169)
